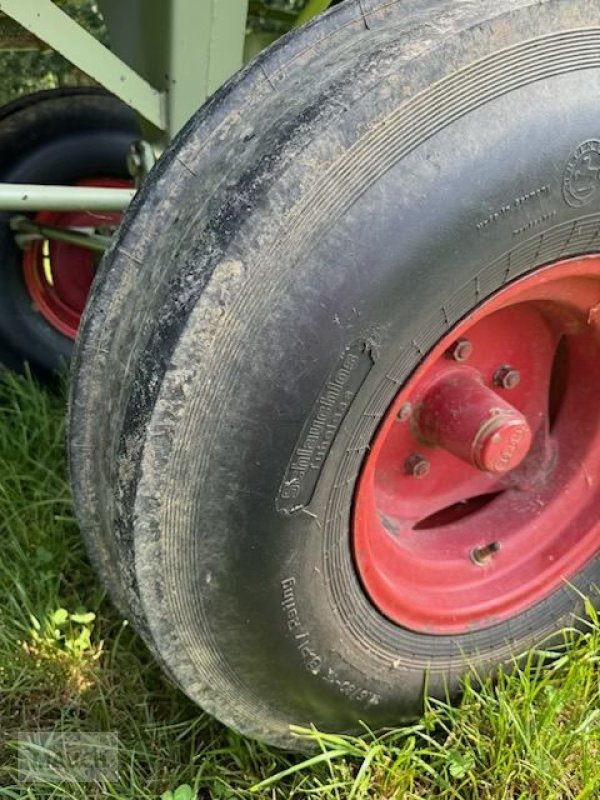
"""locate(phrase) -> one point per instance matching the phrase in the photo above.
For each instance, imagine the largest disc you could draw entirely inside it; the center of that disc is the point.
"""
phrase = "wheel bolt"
(507, 377)
(417, 466)
(405, 412)
(460, 350)
(481, 555)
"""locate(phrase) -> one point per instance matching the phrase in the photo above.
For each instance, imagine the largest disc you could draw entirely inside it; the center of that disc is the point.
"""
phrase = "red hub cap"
(480, 493)
(58, 276)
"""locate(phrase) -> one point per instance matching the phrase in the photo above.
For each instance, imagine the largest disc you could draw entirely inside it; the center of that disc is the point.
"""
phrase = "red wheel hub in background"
(58, 275)
(480, 493)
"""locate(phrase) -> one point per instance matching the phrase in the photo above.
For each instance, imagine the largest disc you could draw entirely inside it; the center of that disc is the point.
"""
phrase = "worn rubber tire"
(57, 136)
(326, 203)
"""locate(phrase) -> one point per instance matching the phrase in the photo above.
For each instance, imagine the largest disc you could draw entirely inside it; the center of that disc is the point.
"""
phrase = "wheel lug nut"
(481, 555)
(460, 350)
(417, 466)
(507, 377)
(405, 412)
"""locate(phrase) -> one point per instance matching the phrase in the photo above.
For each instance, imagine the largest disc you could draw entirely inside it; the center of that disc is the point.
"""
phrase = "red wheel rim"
(479, 495)
(58, 276)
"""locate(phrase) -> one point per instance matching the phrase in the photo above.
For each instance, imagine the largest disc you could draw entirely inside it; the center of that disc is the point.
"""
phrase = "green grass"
(68, 663)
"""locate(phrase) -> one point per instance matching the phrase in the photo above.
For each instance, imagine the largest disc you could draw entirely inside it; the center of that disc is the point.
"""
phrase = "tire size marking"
(313, 662)
(533, 223)
(317, 436)
(518, 204)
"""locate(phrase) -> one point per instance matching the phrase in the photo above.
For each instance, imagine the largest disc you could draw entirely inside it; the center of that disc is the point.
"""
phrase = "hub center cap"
(470, 420)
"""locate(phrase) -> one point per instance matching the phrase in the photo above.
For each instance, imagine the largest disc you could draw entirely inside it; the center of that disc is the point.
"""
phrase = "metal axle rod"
(26, 197)
(27, 230)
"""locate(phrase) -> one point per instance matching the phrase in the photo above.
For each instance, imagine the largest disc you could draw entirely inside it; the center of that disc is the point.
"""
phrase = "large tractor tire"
(64, 136)
(339, 446)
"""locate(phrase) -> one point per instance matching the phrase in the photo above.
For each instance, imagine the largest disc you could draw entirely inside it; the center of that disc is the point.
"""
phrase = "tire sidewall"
(238, 453)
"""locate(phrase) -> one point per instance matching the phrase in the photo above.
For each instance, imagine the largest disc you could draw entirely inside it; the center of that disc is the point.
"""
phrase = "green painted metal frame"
(184, 48)
(166, 58)
(44, 19)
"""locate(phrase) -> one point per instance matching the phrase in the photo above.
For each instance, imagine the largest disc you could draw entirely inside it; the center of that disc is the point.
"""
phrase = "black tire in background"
(60, 136)
(327, 201)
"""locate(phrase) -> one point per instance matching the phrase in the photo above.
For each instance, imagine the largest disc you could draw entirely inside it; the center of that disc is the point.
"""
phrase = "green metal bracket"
(167, 56)
(185, 48)
(46, 21)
